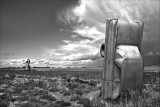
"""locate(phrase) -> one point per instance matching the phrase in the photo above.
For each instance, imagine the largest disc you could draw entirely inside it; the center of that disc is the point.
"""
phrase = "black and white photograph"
(79, 53)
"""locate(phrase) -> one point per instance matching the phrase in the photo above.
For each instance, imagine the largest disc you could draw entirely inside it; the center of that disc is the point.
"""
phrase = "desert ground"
(71, 87)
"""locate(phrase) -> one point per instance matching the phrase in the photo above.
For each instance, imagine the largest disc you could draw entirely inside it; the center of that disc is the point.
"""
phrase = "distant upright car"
(27, 65)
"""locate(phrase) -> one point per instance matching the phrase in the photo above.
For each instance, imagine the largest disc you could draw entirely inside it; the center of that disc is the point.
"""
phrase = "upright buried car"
(123, 63)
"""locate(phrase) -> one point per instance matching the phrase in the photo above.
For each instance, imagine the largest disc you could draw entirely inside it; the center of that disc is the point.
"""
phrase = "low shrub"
(48, 97)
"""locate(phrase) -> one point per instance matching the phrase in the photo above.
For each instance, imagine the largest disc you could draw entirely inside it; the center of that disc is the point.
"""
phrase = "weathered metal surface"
(129, 60)
(109, 58)
(130, 33)
(131, 74)
(123, 64)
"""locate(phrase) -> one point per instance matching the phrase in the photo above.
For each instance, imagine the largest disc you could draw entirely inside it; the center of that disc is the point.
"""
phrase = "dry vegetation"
(70, 89)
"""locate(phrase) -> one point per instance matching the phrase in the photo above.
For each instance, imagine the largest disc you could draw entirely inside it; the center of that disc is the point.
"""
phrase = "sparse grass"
(47, 97)
(31, 90)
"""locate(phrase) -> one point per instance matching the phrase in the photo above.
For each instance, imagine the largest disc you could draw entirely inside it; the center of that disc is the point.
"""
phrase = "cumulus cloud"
(74, 36)
(75, 50)
(94, 13)
(68, 17)
(90, 32)
(88, 19)
(11, 62)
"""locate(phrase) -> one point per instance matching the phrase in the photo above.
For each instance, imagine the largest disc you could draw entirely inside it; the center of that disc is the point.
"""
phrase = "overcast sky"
(70, 32)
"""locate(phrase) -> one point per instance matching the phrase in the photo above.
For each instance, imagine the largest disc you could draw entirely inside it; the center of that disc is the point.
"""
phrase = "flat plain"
(71, 87)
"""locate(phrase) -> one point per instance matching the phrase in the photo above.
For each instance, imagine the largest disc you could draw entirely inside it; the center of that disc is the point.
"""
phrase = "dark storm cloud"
(69, 31)
(29, 25)
(8, 54)
(96, 12)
